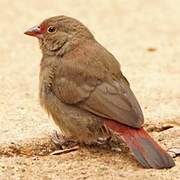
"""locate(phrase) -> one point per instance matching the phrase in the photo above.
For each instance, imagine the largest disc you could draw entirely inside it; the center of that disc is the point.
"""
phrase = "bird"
(82, 87)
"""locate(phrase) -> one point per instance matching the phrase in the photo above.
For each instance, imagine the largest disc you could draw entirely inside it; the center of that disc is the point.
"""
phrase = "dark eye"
(51, 29)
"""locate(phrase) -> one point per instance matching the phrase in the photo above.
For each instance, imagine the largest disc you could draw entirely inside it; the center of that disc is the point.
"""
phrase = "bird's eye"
(51, 29)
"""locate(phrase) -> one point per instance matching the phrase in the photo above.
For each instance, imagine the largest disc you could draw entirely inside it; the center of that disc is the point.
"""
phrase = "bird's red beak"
(34, 31)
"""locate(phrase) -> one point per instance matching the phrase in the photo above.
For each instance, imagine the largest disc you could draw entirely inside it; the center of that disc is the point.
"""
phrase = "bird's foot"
(65, 145)
(103, 141)
(110, 143)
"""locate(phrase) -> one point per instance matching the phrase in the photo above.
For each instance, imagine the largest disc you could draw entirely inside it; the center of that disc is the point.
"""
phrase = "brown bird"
(83, 89)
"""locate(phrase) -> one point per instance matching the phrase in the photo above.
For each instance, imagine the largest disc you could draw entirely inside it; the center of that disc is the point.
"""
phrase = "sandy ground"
(143, 35)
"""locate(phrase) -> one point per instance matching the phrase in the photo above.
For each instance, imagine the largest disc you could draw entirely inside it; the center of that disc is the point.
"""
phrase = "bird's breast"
(46, 78)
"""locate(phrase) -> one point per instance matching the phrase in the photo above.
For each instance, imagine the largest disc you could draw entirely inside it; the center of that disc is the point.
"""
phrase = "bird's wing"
(98, 87)
(115, 102)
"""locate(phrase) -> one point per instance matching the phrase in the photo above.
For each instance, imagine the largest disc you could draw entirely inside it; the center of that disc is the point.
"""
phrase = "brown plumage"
(85, 92)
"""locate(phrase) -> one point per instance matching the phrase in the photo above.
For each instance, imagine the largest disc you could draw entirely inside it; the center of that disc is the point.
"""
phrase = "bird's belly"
(72, 121)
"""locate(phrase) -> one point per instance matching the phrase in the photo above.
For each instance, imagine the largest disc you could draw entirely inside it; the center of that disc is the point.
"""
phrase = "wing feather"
(93, 81)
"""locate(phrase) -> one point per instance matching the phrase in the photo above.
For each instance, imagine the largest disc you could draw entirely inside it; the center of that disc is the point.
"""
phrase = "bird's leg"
(66, 145)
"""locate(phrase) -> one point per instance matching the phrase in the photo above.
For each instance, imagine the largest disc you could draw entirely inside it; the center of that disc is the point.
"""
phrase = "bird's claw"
(57, 138)
(62, 141)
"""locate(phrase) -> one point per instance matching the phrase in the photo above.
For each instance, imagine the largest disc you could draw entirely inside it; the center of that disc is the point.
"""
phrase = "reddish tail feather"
(144, 148)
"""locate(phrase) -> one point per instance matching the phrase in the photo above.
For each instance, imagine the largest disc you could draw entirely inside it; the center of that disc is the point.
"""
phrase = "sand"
(145, 38)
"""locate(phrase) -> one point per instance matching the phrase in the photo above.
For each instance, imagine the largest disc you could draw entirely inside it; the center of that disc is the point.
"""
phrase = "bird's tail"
(144, 148)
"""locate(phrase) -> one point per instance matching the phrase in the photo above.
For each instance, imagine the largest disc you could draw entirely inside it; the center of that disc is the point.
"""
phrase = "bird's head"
(59, 34)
